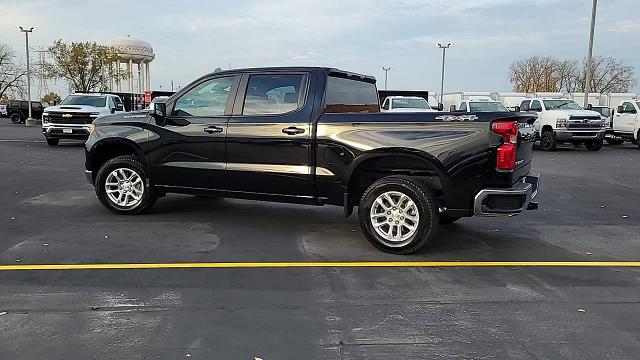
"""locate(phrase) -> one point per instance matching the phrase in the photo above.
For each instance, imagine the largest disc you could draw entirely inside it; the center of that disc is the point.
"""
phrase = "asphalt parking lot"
(589, 211)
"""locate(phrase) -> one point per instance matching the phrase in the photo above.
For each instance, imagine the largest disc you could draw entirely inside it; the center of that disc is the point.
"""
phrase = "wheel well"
(376, 168)
(547, 128)
(104, 153)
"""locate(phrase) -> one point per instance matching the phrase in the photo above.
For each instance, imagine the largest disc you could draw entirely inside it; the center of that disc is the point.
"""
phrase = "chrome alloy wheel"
(395, 217)
(124, 187)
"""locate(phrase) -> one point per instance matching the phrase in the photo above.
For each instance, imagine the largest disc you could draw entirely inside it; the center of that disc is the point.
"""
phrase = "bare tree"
(567, 74)
(85, 66)
(12, 74)
(534, 74)
(549, 74)
(608, 75)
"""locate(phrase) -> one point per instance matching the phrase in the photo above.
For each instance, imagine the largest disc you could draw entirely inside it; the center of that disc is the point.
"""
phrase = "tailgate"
(526, 137)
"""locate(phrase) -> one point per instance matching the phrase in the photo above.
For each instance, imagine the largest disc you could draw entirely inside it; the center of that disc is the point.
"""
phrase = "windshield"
(561, 105)
(410, 104)
(487, 106)
(95, 101)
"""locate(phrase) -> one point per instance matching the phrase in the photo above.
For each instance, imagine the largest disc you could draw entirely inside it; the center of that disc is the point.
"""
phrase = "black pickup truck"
(316, 136)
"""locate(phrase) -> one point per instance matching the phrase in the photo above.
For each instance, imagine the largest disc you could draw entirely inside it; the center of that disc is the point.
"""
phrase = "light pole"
(587, 78)
(30, 121)
(386, 72)
(444, 51)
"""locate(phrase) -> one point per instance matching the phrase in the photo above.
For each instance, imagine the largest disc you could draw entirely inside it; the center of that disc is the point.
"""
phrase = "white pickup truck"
(406, 104)
(563, 120)
(626, 123)
(72, 119)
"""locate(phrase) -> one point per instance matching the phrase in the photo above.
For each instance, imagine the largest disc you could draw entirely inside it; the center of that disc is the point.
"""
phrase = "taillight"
(506, 154)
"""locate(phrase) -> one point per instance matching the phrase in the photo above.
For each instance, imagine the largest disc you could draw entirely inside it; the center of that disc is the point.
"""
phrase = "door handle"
(213, 129)
(292, 130)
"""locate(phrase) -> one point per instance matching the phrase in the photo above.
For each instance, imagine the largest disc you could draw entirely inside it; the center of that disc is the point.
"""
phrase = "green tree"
(86, 66)
(51, 98)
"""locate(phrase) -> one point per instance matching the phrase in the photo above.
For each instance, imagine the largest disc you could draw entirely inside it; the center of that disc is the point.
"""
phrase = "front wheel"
(548, 141)
(121, 185)
(398, 215)
(16, 118)
(593, 145)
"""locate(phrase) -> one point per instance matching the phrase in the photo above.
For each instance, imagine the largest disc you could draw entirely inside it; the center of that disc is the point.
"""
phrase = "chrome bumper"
(508, 201)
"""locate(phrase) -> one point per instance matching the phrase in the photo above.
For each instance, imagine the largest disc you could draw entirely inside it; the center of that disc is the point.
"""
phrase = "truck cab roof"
(326, 70)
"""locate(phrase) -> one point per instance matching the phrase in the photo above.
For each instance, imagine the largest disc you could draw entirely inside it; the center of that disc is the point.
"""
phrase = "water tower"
(133, 51)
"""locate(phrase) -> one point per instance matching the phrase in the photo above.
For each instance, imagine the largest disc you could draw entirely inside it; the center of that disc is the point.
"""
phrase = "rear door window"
(348, 95)
(274, 94)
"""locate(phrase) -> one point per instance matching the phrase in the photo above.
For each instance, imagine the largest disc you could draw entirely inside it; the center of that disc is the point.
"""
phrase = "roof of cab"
(326, 70)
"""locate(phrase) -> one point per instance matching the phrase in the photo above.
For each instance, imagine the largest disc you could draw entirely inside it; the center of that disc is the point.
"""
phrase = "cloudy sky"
(191, 38)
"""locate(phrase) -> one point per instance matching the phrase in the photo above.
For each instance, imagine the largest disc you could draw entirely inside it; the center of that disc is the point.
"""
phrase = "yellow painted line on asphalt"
(397, 264)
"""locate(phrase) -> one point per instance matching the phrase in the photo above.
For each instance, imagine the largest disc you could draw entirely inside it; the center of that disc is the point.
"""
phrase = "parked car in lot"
(73, 117)
(3, 111)
(482, 105)
(316, 136)
(626, 123)
(406, 104)
(18, 110)
(562, 120)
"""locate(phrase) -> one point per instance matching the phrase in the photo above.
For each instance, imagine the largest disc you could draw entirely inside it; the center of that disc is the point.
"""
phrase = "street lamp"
(386, 72)
(444, 50)
(30, 121)
(589, 54)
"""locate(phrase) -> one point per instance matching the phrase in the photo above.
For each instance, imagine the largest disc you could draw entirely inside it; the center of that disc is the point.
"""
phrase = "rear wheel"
(121, 185)
(548, 141)
(16, 118)
(593, 145)
(52, 142)
(446, 219)
(398, 215)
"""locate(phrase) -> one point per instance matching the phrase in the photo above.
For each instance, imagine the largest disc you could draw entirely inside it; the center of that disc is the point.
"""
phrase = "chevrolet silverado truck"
(316, 136)
(563, 120)
(73, 117)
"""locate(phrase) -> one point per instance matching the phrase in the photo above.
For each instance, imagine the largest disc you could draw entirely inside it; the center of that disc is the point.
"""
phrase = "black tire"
(427, 212)
(446, 219)
(638, 137)
(52, 141)
(16, 118)
(611, 141)
(548, 141)
(593, 145)
(129, 162)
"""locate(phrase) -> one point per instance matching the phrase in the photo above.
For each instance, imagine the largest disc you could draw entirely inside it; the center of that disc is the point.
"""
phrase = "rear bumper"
(567, 135)
(507, 201)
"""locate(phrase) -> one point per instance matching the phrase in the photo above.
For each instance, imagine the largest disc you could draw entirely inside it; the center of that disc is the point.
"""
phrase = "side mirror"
(440, 106)
(159, 111)
(113, 110)
(589, 107)
(452, 108)
(619, 109)
(516, 108)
